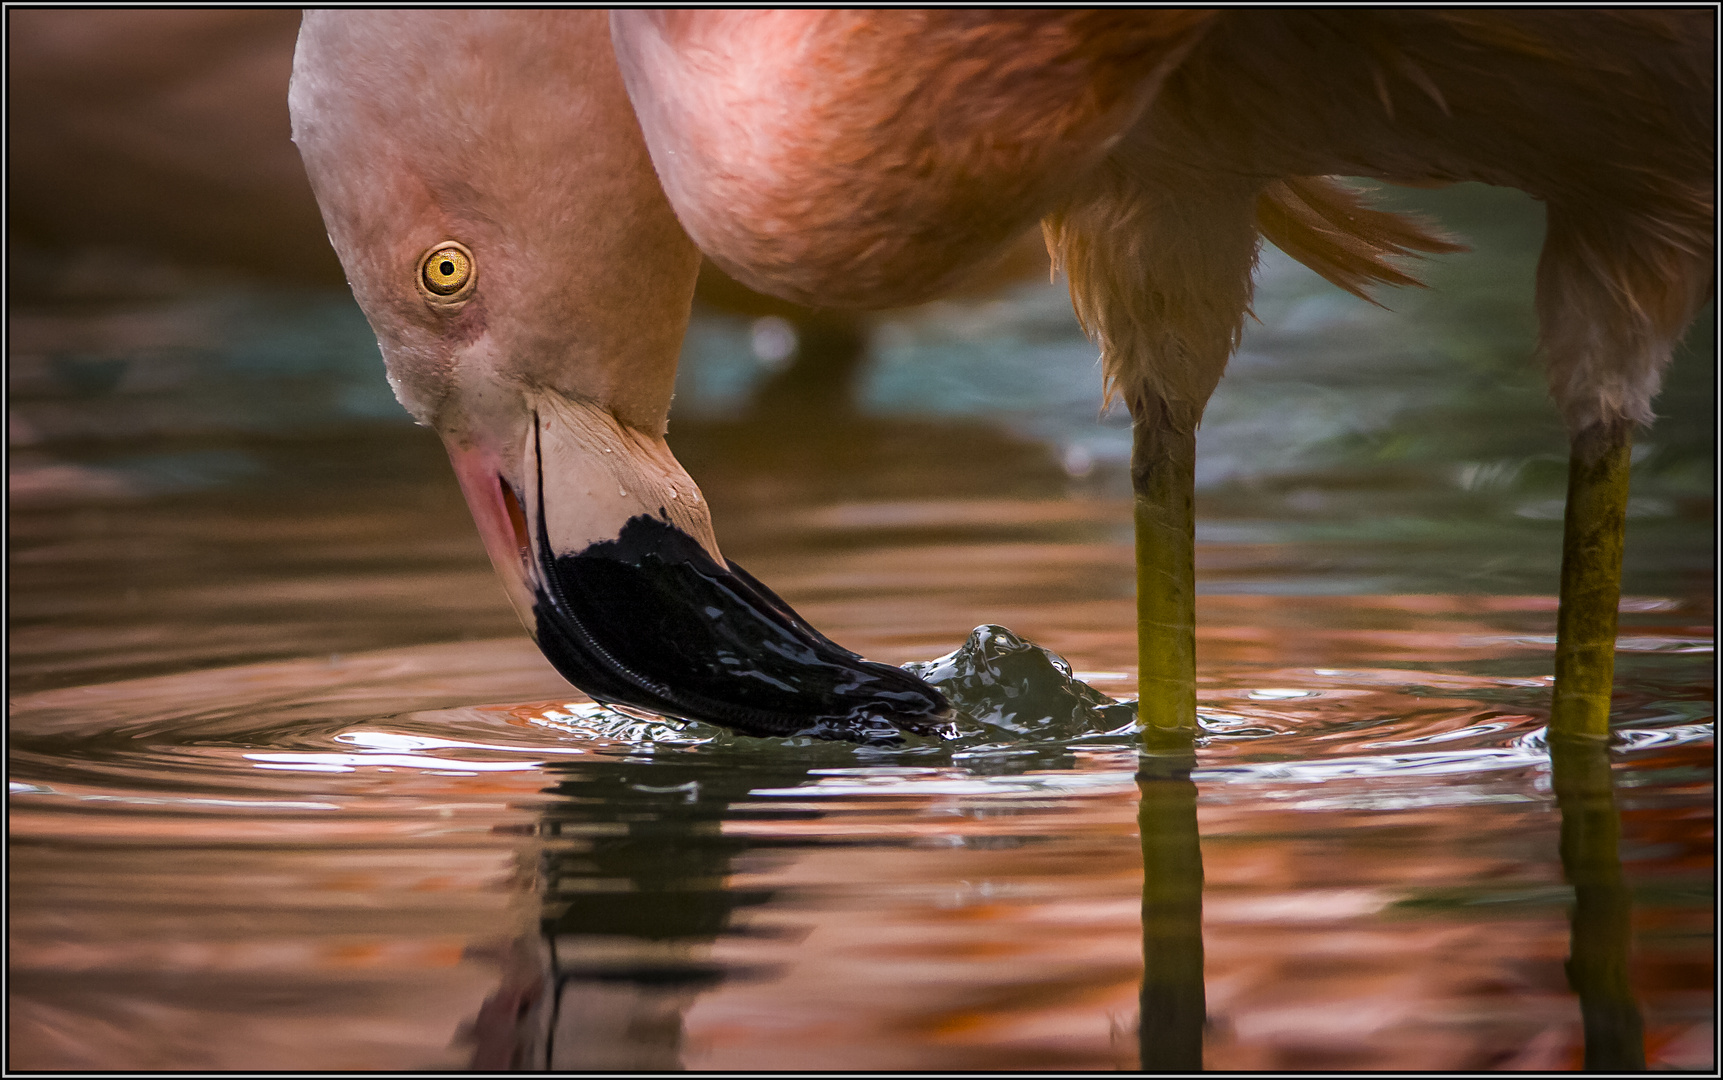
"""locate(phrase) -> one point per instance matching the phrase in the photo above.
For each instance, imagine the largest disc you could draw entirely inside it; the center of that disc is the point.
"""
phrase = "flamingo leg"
(1160, 261)
(1163, 462)
(1592, 536)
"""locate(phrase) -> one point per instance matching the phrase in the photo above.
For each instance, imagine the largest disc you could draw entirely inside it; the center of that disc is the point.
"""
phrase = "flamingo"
(519, 200)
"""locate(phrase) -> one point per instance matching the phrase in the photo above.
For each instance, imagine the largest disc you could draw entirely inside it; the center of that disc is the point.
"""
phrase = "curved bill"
(650, 618)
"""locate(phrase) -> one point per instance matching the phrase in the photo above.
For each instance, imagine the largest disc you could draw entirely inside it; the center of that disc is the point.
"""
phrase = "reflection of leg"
(1173, 1007)
(1602, 923)
(1590, 580)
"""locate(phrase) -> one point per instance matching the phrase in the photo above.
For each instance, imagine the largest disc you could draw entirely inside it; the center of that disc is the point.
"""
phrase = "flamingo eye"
(447, 269)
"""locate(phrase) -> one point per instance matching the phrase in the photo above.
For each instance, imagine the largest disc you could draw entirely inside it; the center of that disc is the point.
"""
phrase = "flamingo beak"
(628, 598)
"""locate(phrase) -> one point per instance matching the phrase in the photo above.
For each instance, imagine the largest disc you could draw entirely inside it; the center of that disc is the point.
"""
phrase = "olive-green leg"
(1592, 536)
(1163, 464)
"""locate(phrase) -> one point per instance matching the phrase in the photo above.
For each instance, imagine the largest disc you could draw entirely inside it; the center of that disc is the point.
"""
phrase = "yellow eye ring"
(447, 269)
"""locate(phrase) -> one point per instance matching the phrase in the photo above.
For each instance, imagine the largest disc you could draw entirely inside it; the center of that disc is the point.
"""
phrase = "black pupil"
(446, 268)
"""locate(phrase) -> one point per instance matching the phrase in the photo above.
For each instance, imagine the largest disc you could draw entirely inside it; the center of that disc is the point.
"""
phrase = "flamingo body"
(1158, 146)
(1157, 212)
(878, 157)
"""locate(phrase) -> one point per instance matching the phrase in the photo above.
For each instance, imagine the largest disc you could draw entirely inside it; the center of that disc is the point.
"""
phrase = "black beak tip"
(651, 620)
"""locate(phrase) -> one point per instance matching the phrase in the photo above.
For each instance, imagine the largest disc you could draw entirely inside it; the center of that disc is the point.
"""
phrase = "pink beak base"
(501, 520)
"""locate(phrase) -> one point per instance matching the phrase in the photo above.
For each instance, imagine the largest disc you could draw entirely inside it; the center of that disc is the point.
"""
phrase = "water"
(291, 790)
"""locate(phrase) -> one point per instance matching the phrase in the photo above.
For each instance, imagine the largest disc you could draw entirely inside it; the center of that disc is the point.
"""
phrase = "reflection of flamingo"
(863, 157)
(485, 184)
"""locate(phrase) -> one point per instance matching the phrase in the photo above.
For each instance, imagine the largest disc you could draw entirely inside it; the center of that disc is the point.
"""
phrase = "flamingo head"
(486, 187)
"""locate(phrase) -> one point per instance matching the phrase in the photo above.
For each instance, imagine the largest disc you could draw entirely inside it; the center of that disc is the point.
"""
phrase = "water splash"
(1010, 688)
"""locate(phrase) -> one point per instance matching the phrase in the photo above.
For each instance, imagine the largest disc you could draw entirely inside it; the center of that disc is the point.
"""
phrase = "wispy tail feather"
(1328, 226)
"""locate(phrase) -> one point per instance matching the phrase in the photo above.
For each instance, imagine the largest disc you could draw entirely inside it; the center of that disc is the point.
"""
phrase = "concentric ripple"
(347, 845)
